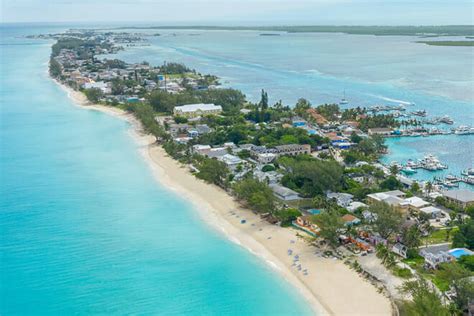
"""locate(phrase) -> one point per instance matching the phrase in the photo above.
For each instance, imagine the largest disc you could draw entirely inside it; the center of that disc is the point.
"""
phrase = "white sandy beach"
(330, 287)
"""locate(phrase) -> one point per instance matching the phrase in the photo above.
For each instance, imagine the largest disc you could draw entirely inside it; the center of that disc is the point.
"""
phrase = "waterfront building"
(462, 198)
(199, 109)
(384, 131)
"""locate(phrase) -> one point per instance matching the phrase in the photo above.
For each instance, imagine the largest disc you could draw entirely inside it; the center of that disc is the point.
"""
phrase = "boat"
(419, 113)
(468, 172)
(344, 100)
(450, 184)
(463, 130)
(408, 170)
(451, 177)
(446, 120)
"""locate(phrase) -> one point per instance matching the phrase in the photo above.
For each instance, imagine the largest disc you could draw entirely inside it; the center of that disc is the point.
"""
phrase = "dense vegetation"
(309, 176)
(442, 30)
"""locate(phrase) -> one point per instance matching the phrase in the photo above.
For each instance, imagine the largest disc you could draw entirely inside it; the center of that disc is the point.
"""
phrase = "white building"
(431, 211)
(266, 157)
(284, 193)
(199, 109)
(231, 161)
(104, 87)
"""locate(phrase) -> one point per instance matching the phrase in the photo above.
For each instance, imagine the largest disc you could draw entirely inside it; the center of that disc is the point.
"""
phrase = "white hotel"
(194, 110)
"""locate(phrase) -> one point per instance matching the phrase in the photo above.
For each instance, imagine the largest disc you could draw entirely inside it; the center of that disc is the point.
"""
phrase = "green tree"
(213, 171)
(302, 106)
(394, 170)
(55, 68)
(330, 224)
(457, 276)
(391, 183)
(467, 262)
(388, 219)
(415, 188)
(464, 237)
(94, 94)
(425, 300)
(287, 216)
(411, 237)
(256, 194)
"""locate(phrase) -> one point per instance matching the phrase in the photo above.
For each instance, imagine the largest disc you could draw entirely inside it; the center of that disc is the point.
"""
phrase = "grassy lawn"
(439, 236)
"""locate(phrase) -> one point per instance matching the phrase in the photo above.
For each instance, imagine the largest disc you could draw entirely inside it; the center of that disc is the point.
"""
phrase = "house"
(353, 206)
(369, 216)
(217, 152)
(415, 203)
(201, 149)
(463, 198)
(199, 109)
(231, 161)
(400, 249)
(393, 198)
(350, 220)
(384, 131)
(284, 193)
(270, 177)
(435, 255)
(432, 211)
(342, 199)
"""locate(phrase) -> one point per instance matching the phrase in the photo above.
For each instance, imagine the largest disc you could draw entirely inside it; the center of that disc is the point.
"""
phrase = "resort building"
(102, 86)
(284, 193)
(462, 198)
(195, 110)
(266, 157)
(293, 149)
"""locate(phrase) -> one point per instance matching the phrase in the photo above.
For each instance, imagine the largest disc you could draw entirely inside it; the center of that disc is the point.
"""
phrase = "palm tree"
(429, 186)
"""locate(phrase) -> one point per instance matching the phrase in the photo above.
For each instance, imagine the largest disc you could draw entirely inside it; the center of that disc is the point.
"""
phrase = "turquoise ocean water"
(371, 69)
(85, 229)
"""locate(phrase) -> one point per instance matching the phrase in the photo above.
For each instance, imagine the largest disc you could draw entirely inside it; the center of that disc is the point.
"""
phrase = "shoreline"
(330, 287)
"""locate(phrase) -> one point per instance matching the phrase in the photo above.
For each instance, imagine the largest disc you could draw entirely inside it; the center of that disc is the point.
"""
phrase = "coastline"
(330, 287)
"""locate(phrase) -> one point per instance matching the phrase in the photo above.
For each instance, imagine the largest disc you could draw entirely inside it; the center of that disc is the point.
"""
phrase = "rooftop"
(197, 107)
(463, 196)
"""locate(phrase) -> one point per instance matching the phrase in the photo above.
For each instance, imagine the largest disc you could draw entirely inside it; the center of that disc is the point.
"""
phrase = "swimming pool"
(314, 211)
(459, 252)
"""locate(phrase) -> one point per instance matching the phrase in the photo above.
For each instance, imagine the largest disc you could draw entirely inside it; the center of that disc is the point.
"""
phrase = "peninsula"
(299, 186)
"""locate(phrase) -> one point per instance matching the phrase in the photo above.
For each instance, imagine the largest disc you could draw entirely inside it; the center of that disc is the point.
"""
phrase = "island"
(309, 174)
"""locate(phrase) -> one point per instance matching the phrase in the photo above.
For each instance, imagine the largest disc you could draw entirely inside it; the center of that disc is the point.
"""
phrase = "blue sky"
(368, 12)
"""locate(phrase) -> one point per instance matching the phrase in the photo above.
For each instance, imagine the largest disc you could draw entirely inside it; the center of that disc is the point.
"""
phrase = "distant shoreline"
(423, 31)
(331, 287)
